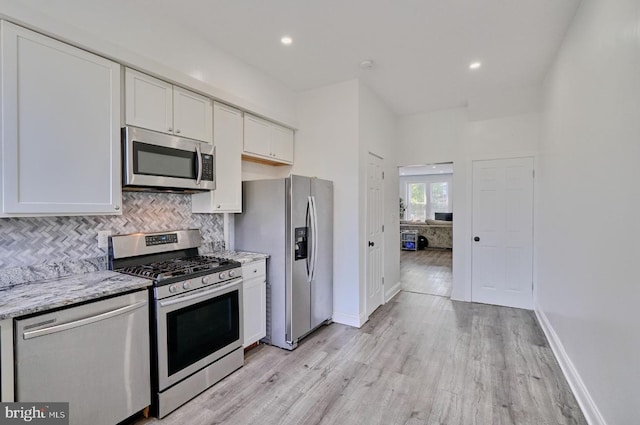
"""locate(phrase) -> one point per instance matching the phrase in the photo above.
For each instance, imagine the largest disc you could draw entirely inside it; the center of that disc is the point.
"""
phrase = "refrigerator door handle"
(314, 233)
(307, 223)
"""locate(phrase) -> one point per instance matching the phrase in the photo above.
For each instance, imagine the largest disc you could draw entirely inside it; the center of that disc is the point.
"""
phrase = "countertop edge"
(243, 257)
(41, 296)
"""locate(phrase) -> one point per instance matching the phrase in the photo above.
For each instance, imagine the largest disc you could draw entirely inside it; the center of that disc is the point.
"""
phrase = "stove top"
(167, 257)
(179, 267)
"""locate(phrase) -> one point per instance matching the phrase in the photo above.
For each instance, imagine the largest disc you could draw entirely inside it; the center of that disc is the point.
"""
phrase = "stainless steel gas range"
(196, 312)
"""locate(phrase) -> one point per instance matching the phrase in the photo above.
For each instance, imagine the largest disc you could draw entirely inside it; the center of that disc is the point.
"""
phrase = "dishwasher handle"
(85, 321)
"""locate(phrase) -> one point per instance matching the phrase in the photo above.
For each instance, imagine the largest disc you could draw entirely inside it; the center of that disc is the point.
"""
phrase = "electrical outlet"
(103, 238)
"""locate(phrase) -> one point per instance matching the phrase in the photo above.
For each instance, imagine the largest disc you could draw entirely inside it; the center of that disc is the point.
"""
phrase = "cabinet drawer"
(254, 269)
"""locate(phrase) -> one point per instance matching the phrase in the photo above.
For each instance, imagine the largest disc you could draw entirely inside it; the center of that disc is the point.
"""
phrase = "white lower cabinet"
(254, 301)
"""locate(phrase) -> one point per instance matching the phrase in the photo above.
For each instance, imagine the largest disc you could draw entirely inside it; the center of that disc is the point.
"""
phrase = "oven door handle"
(203, 294)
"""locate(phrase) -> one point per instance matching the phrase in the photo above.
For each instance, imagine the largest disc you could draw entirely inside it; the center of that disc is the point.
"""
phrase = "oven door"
(196, 329)
(157, 160)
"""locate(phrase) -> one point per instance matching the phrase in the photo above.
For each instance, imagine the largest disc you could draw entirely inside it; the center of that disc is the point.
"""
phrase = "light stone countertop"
(242, 257)
(40, 296)
(47, 294)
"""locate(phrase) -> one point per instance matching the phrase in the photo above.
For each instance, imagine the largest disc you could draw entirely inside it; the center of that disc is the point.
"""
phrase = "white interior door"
(374, 259)
(502, 265)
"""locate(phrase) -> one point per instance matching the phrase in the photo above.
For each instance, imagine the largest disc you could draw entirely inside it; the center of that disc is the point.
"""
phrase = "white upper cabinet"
(257, 135)
(282, 143)
(192, 115)
(157, 105)
(227, 137)
(148, 102)
(60, 128)
(267, 142)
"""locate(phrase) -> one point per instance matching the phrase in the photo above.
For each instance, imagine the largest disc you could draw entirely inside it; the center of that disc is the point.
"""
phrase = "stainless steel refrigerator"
(291, 219)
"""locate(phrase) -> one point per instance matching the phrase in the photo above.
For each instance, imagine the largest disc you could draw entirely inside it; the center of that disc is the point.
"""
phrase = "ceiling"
(421, 48)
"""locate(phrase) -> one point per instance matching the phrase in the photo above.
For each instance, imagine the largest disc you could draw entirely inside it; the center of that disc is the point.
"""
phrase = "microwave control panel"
(207, 167)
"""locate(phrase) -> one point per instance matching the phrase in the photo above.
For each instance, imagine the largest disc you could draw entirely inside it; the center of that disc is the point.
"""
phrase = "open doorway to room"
(426, 228)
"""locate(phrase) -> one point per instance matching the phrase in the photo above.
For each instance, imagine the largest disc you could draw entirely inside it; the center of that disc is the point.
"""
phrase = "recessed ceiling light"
(367, 64)
(286, 40)
(433, 166)
(475, 65)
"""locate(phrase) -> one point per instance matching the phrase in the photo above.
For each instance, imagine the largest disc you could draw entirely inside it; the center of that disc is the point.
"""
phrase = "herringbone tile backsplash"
(30, 241)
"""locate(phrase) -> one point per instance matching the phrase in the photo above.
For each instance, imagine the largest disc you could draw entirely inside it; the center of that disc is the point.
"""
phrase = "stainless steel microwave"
(154, 161)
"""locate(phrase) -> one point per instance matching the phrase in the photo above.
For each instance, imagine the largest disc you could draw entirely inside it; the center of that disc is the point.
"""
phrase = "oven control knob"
(222, 275)
(186, 285)
(232, 273)
(172, 288)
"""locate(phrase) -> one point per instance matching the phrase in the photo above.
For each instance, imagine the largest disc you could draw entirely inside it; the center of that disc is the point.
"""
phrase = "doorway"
(426, 228)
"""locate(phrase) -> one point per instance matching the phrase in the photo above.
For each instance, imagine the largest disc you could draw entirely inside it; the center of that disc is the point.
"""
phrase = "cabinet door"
(257, 136)
(149, 102)
(61, 127)
(282, 143)
(254, 295)
(227, 137)
(192, 115)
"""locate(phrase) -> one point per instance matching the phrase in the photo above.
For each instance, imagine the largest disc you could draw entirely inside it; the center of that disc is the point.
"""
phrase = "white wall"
(587, 246)
(338, 126)
(327, 147)
(450, 136)
(132, 33)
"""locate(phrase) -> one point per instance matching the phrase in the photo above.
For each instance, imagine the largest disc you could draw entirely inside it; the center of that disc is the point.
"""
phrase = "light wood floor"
(420, 359)
(427, 271)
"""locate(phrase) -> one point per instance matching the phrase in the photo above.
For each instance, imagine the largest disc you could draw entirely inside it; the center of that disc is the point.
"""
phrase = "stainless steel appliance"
(94, 356)
(292, 220)
(154, 161)
(196, 312)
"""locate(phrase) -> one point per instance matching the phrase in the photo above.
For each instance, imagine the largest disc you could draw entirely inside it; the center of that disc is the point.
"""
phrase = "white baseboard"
(349, 319)
(392, 292)
(588, 406)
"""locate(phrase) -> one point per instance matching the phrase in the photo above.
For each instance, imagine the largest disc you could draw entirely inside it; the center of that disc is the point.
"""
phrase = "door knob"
(371, 243)
(477, 239)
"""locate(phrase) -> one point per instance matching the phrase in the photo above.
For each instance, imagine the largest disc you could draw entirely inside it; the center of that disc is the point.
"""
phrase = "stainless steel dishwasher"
(94, 356)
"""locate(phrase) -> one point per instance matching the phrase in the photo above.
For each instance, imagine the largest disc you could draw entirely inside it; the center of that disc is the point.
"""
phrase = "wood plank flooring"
(426, 271)
(420, 359)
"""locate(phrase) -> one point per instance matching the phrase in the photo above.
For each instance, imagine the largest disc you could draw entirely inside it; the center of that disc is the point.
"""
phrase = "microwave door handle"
(199, 164)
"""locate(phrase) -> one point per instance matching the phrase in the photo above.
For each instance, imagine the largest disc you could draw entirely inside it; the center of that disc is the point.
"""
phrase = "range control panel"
(161, 239)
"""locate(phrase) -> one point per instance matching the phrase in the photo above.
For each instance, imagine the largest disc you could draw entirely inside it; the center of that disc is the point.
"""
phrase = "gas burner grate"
(163, 270)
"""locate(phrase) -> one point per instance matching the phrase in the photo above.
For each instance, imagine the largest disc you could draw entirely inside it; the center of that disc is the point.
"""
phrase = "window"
(439, 198)
(417, 195)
